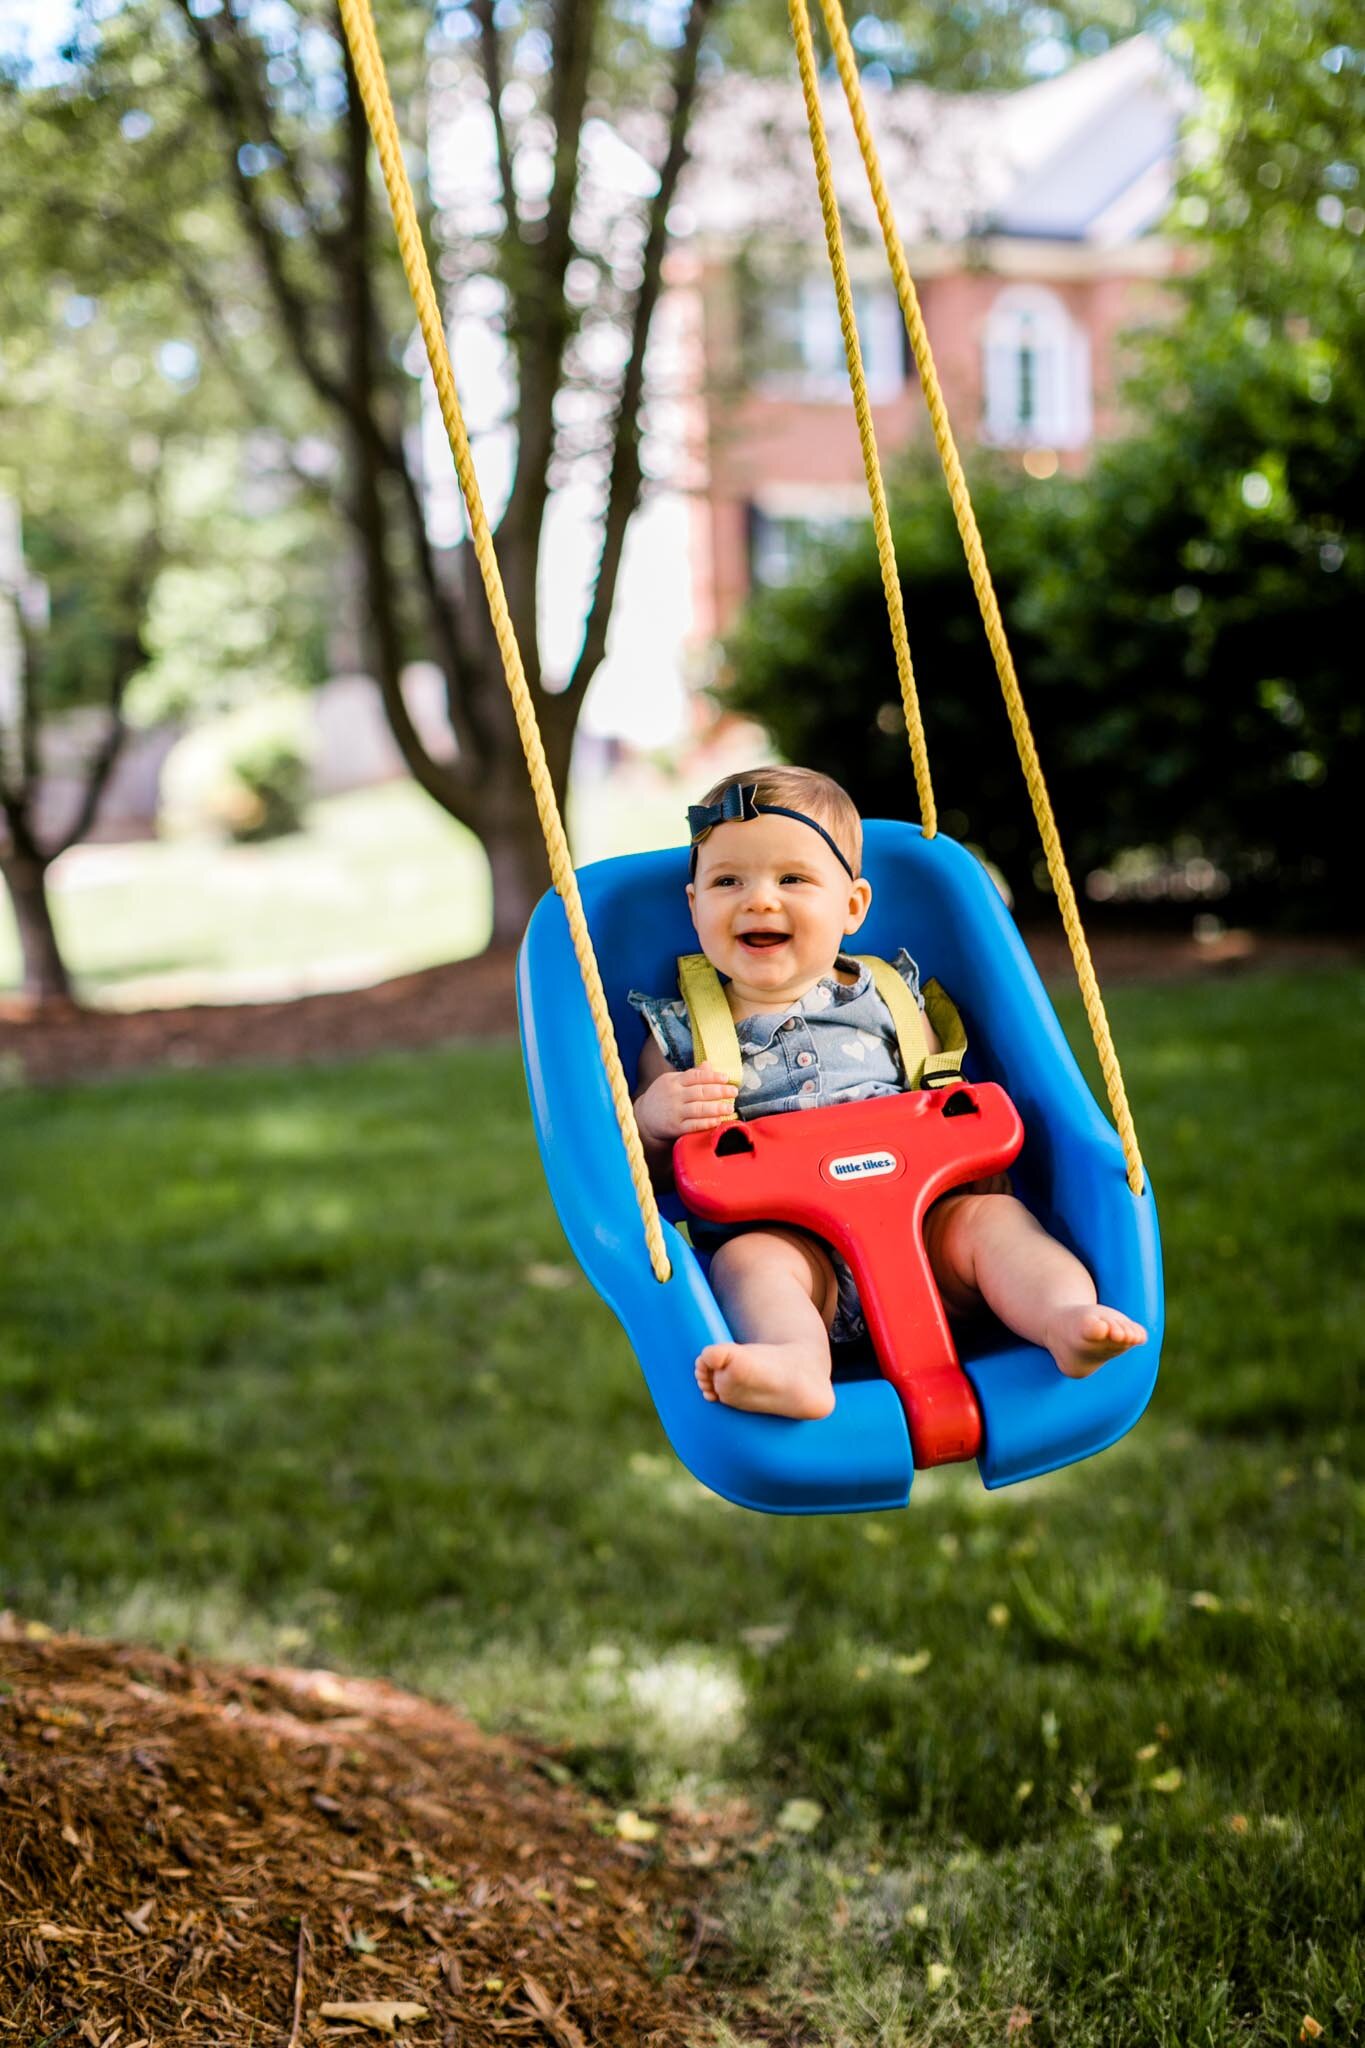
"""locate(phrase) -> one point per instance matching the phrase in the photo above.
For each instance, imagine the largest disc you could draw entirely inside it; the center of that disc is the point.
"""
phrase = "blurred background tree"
(972, 46)
(225, 145)
(1187, 617)
(1189, 602)
(232, 140)
(168, 548)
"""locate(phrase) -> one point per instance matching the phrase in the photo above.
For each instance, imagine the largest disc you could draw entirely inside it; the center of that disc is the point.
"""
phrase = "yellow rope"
(876, 489)
(358, 22)
(985, 595)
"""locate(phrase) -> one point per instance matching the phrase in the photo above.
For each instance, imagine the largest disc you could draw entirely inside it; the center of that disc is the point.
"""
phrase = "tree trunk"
(507, 823)
(45, 976)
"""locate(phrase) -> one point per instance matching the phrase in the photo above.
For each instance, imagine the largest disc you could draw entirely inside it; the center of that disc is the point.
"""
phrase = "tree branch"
(101, 766)
(626, 474)
(491, 57)
(256, 397)
(373, 453)
(17, 800)
(15, 809)
(472, 733)
(11, 740)
(296, 314)
(130, 656)
(17, 795)
(541, 332)
(69, 208)
(257, 102)
(575, 25)
(29, 767)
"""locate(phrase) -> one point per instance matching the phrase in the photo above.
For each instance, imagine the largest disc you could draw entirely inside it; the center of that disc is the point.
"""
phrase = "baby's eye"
(794, 878)
(723, 881)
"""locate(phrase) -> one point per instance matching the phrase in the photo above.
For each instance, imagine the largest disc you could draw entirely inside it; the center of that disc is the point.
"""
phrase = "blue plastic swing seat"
(935, 898)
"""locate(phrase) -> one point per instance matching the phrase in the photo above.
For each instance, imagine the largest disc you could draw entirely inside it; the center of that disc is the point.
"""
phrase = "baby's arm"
(669, 1104)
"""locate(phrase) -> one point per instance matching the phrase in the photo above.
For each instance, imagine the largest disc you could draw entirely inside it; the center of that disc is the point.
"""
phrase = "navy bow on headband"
(737, 804)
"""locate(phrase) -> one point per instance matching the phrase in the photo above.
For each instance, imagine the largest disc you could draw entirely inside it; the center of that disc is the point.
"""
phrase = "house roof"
(1086, 156)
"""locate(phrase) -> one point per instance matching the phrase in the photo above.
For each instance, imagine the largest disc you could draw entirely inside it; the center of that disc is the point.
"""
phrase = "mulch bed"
(476, 999)
(201, 1854)
(466, 999)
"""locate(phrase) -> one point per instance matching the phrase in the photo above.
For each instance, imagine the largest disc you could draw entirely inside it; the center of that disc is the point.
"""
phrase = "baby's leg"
(991, 1248)
(778, 1291)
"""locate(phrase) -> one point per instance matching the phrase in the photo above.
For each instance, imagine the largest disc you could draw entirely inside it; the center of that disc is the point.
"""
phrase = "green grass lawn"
(378, 883)
(294, 1364)
(381, 881)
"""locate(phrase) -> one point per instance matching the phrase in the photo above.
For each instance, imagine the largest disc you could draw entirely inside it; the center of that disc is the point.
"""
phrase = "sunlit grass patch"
(379, 882)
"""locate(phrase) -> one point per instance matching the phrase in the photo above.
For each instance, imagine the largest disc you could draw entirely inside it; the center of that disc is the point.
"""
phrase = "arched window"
(1037, 372)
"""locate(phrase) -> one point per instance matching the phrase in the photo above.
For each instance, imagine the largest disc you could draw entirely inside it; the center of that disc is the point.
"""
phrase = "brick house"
(1031, 225)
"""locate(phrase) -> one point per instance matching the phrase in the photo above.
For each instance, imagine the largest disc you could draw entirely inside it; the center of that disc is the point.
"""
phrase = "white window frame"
(1036, 372)
(810, 316)
(799, 519)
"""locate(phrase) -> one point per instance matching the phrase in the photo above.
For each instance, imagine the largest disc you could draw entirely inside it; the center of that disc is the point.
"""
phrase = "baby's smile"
(772, 905)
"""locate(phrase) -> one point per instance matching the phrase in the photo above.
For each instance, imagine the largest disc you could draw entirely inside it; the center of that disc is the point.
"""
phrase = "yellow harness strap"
(945, 1065)
(715, 1039)
(923, 1069)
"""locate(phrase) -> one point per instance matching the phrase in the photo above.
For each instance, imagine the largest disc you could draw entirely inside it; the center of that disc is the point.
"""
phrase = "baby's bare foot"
(1082, 1338)
(774, 1379)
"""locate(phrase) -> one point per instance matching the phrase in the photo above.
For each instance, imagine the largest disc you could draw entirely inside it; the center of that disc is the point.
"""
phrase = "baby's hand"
(675, 1104)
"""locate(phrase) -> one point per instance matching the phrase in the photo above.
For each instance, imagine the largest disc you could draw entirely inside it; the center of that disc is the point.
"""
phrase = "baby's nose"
(761, 893)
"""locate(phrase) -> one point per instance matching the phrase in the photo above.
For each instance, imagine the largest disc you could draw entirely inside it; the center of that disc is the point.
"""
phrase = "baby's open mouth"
(763, 941)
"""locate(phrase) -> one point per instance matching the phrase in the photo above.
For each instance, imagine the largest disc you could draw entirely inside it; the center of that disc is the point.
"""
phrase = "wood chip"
(206, 1776)
(383, 2014)
(552, 2017)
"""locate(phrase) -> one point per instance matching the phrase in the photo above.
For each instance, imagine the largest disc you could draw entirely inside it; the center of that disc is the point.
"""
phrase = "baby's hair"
(801, 789)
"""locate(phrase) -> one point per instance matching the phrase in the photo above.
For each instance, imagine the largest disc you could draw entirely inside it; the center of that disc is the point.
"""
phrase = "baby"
(775, 890)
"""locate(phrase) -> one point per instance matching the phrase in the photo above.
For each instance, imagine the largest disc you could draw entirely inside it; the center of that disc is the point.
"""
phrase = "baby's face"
(772, 907)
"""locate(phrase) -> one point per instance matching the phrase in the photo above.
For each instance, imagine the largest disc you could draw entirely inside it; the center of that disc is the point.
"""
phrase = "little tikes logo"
(862, 1166)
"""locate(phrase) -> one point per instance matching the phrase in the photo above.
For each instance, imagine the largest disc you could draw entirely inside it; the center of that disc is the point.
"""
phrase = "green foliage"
(310, 1375)
(1187, 618)
(1213, 567)
(814, 663)
(1203, 592)
(1274, 189)
(273, 774)
(963, 48)
(168, 487)
(161, 555)
(241, 610)
(82, 412)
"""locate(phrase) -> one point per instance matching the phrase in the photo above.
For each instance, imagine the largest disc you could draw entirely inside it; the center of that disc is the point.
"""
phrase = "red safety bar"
(862, 1176)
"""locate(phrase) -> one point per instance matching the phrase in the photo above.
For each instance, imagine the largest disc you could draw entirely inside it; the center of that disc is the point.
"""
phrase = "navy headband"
(736, 804)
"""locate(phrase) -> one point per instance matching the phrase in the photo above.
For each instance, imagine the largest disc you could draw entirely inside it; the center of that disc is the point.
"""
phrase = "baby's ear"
(859, 903)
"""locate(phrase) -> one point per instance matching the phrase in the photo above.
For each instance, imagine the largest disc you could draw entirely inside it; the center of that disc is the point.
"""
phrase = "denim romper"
(838, 1044)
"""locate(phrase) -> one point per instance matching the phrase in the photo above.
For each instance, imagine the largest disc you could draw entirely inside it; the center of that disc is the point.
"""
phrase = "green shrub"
(272, 789)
